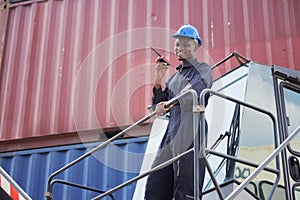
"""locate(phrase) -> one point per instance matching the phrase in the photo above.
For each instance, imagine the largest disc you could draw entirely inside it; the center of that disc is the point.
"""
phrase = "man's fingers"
(160, 109)
(162, 66)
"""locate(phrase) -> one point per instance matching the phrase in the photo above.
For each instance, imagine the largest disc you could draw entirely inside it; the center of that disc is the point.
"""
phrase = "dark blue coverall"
(177, 180)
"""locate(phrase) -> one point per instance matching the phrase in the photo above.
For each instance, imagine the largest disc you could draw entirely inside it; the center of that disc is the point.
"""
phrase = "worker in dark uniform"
(176, 181)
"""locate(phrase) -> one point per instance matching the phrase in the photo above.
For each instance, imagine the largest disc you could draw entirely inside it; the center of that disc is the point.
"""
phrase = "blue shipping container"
(107, 168)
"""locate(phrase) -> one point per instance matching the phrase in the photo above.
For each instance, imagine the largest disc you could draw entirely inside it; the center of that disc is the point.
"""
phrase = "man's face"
(185, 48)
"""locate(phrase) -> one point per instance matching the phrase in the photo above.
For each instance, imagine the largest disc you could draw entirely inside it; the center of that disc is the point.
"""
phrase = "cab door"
(289, 95)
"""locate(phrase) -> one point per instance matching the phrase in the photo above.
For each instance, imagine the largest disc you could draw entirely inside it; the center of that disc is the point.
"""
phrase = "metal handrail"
(238, 56)
(203, 150)
(196, 111)
(245, 162)
(48, 193)
(168, 162)
(80, 186)
(263, 164)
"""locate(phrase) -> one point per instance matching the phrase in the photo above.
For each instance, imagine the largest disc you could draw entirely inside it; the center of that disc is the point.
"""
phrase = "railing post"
(196, 111)
(203, 142)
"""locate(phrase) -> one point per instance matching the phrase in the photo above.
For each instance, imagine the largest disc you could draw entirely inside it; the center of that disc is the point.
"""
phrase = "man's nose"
(179, 47)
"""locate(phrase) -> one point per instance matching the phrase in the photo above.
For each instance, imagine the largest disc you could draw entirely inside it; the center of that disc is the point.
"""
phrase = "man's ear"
(196, 45)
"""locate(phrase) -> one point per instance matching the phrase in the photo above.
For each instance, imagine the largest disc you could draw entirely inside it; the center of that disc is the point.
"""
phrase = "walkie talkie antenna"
(156, 52)
(161, 58)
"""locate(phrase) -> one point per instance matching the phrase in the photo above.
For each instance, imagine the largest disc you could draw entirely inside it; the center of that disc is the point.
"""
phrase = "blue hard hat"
(190, 31)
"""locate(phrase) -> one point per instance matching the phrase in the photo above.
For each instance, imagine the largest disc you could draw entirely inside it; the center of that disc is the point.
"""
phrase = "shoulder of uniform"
(204, 65)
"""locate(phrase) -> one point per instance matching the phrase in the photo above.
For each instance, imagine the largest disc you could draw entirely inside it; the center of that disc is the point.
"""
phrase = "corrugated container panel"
(104, 170)
(86, 64)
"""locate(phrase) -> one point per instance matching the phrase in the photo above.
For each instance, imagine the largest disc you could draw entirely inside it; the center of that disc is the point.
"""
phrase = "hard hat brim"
(198, 40)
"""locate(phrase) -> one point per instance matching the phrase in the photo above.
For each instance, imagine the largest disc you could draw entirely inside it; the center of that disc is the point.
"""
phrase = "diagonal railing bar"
(233, 54)
(48, 193)
(168, 162)
(263, 165)
(245, 162)
(79, 186)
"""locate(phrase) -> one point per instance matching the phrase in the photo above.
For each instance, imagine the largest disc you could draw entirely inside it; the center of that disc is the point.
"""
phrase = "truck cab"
(250, 134)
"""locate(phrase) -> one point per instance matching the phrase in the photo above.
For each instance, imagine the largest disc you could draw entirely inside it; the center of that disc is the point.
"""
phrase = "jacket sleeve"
(160, 95)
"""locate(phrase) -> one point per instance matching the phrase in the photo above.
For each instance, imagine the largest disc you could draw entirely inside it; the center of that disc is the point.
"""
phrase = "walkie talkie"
(161, 59)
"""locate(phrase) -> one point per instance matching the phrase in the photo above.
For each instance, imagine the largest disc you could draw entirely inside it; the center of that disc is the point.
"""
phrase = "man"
(176, 181)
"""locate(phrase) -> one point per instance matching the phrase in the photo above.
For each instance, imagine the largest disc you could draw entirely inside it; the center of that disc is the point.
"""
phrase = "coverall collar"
(188, 65)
